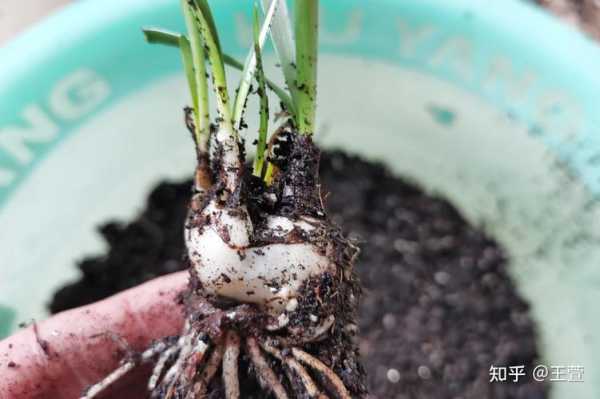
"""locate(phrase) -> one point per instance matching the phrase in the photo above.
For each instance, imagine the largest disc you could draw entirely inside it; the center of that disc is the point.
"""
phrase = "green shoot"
(264, 100)
(204, 8)
(211, 40)
(161, 36)
(188, 66)
(307, 27)
(281, 36)
(298, 58)
(200, 90)
(285, 99)
(171, 39)
(250, 68)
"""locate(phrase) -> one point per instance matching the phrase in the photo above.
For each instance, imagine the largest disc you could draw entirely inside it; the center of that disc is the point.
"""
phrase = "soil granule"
(438, 307)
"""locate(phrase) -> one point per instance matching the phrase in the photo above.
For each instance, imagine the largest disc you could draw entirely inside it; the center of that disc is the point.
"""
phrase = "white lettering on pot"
(40, 128)
(457, 54)
(552, 111)
(72, 98)
(413, 37)
(348, 35)
(78, 94)
(502, 76)
(351, 32)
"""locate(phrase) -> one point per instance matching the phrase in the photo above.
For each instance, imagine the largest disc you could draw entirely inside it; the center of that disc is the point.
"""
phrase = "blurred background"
(16, 15)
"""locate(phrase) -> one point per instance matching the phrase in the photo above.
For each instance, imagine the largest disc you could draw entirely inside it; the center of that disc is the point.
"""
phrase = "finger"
(61, 356)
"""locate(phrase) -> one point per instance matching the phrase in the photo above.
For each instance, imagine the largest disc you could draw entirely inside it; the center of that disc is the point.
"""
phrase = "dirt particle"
(442, 278)
(389, 321)
(424, 372)
(393, 376)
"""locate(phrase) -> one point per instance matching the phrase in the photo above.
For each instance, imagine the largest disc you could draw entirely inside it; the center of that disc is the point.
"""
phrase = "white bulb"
(269, 276)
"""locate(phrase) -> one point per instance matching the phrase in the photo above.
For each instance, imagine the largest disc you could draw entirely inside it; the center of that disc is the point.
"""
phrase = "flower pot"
(492, 106)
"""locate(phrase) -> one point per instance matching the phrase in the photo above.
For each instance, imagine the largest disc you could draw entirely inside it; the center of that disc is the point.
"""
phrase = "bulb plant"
(271, 277)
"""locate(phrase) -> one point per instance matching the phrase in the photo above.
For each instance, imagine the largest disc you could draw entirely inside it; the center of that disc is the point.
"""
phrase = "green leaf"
(307, 33)
(203, 6)
(200, 92)
(278, 90)
(250, 65)
(283, 41)
(209, 33)
(168, 38)
(261, 145)
(161, 36)
(188, 66)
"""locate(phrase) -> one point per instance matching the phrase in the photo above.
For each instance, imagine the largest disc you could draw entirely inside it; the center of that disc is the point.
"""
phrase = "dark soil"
(439, 307)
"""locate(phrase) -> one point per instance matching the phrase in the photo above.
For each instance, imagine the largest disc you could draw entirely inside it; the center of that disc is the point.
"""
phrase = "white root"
(294, 366)
(185, 344)
(307, 381)
(192, 345)
(96, 389)
(160, 366)
(200, 387)
(213, 364)
(195, 359)
(193, 371)
(230, 366)
(313, 362)
(266, 376)
(314, 333)
(125, 368)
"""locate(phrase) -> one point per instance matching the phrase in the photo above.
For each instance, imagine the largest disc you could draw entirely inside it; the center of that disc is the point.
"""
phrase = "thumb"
(61, 356)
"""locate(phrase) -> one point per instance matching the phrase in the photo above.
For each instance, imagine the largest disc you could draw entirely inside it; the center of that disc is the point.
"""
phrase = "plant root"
(129, 364)
(230, 366)
(188, 367)
(266, 376)
(335, 383)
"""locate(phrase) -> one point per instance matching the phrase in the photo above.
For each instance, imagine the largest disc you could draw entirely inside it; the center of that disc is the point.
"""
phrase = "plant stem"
(188, 66)
(211, 41)
(285, 99)
(226, 135)
(167, 38)
(307, 29)
(281, 35)
(264, 101)
(201, 102)
(161, 36)
(250, 66)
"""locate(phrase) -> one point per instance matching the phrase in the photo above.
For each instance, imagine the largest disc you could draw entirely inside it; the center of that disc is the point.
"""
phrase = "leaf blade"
(307, 33)
(186, 57)
(263, 128)
(210, 37)
(161, 36)
(201, 100)
(250, 66)
(283, 41)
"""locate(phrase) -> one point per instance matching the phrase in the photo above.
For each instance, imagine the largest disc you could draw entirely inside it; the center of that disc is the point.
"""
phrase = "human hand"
(59, 357)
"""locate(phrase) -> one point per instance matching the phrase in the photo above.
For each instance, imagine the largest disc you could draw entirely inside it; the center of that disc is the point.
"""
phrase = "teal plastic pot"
(494, 106)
